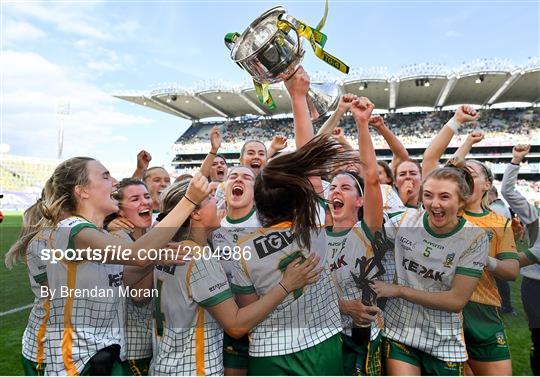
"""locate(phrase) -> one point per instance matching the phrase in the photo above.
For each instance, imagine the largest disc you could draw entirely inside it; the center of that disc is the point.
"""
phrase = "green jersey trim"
(242, 290)
(507, 223)
(242, 219)
(469, 272)
(322, 202)
(507, 255)
(41, 277)
(531, 256)
(217, 299)
(412, 206)
(478, 214)
(366, 230)
(394, 214)
(458, 227)
(75, 230)
(331, 233)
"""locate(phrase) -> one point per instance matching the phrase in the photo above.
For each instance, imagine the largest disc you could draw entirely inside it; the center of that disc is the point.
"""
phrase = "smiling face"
(344, 199)
(136, 205)
(97, 194)
(218, 171)
(443, 203)
(254, 156)
(481, 183)
(239, 188)
(157, 181)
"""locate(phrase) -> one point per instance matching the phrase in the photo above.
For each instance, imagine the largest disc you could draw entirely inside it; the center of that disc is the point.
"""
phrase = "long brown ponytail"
(283, 191)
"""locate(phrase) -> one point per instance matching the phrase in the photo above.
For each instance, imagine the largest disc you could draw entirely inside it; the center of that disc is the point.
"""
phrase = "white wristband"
(492, 263)
(454, 125)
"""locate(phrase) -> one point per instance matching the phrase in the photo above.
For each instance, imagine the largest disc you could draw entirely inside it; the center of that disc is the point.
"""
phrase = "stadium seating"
(22, 179)
(502, 127)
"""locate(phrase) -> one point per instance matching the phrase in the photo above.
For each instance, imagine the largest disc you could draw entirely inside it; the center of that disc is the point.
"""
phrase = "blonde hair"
(66, 177)
(33, 222)
(455, 171)
(488, 176)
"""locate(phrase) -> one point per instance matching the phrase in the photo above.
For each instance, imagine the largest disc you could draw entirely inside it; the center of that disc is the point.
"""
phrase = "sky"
(80, 53)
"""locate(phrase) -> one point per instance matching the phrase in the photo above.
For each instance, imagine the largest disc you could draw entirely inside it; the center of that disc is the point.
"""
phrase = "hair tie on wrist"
(215, 154)
(285, 289)
(187, 197)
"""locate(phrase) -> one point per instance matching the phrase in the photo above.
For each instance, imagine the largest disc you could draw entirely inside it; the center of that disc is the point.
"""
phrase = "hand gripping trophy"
(270, 53)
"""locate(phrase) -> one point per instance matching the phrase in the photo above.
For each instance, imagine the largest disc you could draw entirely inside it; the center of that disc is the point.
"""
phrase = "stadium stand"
(502, 128)
(22, 178)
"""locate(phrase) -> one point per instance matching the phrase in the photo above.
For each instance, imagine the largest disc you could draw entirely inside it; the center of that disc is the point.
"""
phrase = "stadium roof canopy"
(483, 82)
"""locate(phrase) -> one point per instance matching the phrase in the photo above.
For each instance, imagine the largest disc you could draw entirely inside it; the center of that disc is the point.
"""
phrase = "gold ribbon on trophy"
(316, 38)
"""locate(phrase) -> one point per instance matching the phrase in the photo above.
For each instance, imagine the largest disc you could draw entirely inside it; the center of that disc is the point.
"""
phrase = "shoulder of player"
(407, 217)
(37, 244)
(73, 221)
(248, 238)
(471, 232)
(488, 218)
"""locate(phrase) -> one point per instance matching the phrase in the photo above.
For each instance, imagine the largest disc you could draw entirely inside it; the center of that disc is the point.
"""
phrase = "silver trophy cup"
(270, 55)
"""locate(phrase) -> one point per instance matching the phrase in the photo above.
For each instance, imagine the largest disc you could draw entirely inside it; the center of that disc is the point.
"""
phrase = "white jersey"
(391, 200)
(221, 201)
(187, 339)
(33, 340)
(226, 237)
(138, 322)
(429, 262)
(85, 321)
(155, 214)
(305, 317)
(348, 257)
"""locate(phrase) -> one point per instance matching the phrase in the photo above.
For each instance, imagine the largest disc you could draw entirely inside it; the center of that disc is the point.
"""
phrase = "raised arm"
(143, 161)
(439, 144)
(279, 142)
(215, 144)
(399, 153)
(344, 105)
(464, 149)
(338, 134)
(298, 86)
(373, 207)
(517, 202)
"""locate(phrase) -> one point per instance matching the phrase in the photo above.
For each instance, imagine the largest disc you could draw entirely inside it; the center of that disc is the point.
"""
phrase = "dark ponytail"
(283, 191)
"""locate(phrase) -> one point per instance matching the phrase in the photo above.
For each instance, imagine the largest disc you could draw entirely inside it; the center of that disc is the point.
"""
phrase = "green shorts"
(323, 359)
(362, 360)
(31, 368)
(429, 364)
(138, 367)
(235, 352)
(484, 333)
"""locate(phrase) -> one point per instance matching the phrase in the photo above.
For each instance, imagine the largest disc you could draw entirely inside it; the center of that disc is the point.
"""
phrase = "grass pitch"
(16, 293)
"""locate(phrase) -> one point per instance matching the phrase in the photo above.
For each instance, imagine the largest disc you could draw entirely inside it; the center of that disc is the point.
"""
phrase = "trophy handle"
(290, 23)
(230, 39)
